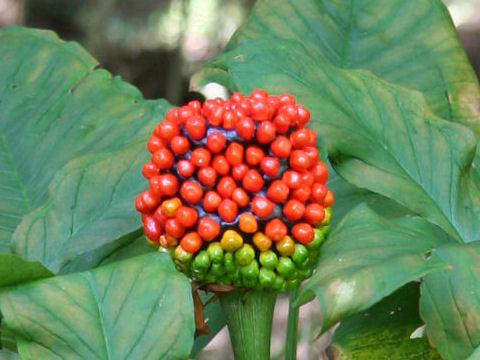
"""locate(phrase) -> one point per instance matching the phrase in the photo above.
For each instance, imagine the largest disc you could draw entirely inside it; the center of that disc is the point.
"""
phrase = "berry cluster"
(237, 191)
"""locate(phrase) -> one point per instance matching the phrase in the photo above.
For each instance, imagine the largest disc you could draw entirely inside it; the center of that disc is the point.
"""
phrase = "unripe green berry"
(266, 277)
(244, 255)
(215, 251)
(285, 267)
(299, 254)
(269, 259)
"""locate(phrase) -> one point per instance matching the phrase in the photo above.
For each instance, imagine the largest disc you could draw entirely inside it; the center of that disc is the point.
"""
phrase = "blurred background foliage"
(157, 45)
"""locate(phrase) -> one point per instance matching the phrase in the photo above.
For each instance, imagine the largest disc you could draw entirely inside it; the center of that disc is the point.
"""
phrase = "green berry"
(299, 254)
(266, 277)
(269, 259)
(244, 255)
(250, 271)
(229, 263)
(215, 251)
(201, 261)
(286, 267)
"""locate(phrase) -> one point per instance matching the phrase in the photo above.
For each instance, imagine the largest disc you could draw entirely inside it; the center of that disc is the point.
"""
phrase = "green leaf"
(379, 136)
(54, 109)
(368, 257)
(450, 301)
(15, 270)
(384, 331)
(412, 43)
(8, 355)
(139, 308)
(89, 210)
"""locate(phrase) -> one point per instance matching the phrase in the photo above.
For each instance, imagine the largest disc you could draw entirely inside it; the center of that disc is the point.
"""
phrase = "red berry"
(208, 228)
(303, 115)
(303, 137)
(240, 197)
(151, 228)
(186, 216)
(258, 93)
(196, 105)
(237, 96)
(299, 160)
(191, 242)
(314, 213)
(278, 191)
(270, 165)
(260, 109)
(303, 232)
(307, 179)
(163, 158)
(154, 144)
(225, 186)
(252, 181)
(185, 113)
(320, 172)
(174, 228)
(282, 123)
(234, 153)
(293, 209)
(290, 111)
(160, 217)
(185, 168)
(292, 179)
(253, 155)
(216, 141)
(146, 201)
(191, 191)
(200, 157)
(239, 171)
(266, 132)
(229, 119)
(276, 229)
(149, 169)
(166, 130)
(211, 200)
(319, 191)
(196, 126)
(228, 210)
(207, 175)
(164, 184)
(179, 144)
(221, 164)
(286, 99)
(302, 193)
(281, 146)
(261, 206)
(245, 128)
(312, 154)
(328, 201)
(172, 114)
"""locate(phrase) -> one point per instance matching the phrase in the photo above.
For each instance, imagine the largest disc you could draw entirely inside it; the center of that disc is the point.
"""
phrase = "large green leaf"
(384, 331)
(409, 42)
(54, 108)
(139, 308)
(450, 302)
(368, 257)
(379, 136)
(15, 270)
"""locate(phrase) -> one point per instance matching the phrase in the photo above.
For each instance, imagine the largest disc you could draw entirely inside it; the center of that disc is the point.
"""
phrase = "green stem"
(292, 327)
(249, 319)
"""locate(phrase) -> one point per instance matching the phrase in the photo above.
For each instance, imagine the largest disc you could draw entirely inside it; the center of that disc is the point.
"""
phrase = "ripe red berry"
(225, 186)
(286, 99)
(149, 169)
(164, 184)
(290, 111)
(270, 165)
(252, 181)
(216, 141)
(154, 144)
(319, 191)
(258, 93)
(208, 228)
(299, 160)
(307, 179)
(147, 200)
(151, 228)
(184, 113)
(314, 213)
(240, 197)
(281, 146)
(276, 229)
(186, 216)
(312, 154)
(174, 228)
(328, 201)
(196, 105)
(302, 193)
(221, 164)
(292, 179)
(179, 144)
(191, 191)
(245, 128)
(253, 155)
(211, 201)
(163, 158)
(278, 191)
(166, 130)
(207, 175)
(191, 242)
(303, 137)
(266, 132)
(234, 153)
(185, 168)
(261, 206)
(229, 119)
(200, 157)
(303, 115)
(293, 210)
(260, 109)
(303, 232)
(172, 114)
(239, 171)
(196, 126)
(282, 123)
(319, 172)
(228, 210)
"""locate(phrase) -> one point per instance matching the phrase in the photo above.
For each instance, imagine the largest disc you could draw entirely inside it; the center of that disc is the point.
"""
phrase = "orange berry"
(248, 223)
(170, 206)
(191, 242)
(328, 201)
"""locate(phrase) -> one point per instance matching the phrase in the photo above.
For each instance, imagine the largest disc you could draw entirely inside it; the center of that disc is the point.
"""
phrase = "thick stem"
(249, 319)
(292, 327)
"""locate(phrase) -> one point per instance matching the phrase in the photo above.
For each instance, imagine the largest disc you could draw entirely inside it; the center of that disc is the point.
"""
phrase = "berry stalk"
(249, 319)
